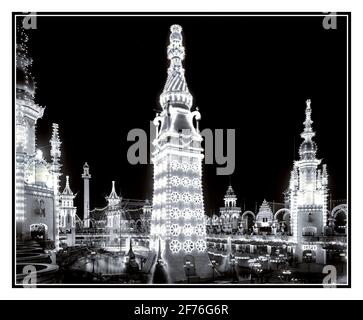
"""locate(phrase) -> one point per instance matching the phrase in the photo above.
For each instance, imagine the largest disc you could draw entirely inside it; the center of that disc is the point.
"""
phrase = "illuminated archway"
(39, 231)
(248, 220)
(340, 213)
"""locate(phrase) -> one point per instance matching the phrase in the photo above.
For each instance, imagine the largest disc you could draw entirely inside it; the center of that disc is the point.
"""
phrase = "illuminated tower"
(308, 194)
(67, 222)
(86, 206)
(178, 209)
(27, 113)
(114, 214)
(230, 213)
(55, 153)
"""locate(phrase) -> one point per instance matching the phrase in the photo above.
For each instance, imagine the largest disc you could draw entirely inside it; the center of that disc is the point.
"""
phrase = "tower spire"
(176, 91)
(308, 147)
(308, 132)
(113, 199)
(67, 190)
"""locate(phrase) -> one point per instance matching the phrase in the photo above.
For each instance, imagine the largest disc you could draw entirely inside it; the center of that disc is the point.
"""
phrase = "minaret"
(230, 199)
(308, 192)
(113, 199)
(178, 206)
(86, 205)
(113, 210)
(68, 214)
(55, 155)
(27, 112)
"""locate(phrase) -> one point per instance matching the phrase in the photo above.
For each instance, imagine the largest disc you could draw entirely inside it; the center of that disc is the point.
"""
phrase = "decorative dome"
(308, 150)
(264, 215)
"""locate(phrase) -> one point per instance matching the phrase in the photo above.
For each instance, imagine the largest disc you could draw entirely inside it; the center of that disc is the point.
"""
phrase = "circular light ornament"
(200, 230)
(175, 197)
(187, 197)
(174, 230)
(175, 213)
(175, 181)
(185, 182)
(196, 183)
(175, 246)
(188, 246)
(188, 230)
(200, 245)
(187, 213)
(195, 167)
(175, 165)
(185, 166)
(197, 198)
(199, 213)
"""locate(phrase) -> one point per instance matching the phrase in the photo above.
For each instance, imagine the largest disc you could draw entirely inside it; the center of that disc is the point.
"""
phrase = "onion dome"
(176, 90)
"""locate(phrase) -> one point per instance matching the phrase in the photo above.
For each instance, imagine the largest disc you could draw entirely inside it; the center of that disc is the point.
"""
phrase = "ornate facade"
(305, 227)
(67, 221)
(37, 181)
(178, 209)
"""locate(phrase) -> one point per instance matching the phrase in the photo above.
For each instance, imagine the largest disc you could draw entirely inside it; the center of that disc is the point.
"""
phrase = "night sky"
(99, 77)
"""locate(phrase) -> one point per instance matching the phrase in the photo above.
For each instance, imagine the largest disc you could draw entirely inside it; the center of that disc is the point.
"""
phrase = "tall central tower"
(308, 195)
(178, 208)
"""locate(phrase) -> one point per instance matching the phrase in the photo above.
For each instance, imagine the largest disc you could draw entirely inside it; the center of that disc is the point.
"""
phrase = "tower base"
(187, 267)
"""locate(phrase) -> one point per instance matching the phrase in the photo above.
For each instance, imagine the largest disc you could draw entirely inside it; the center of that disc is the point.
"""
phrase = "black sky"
(99, 77)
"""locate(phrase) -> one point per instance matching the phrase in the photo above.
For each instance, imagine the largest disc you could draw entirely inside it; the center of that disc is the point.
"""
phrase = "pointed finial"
(55, 143)
(67, 181)
(176, 89)
(113, 186)
(86, 171)
(308, 132)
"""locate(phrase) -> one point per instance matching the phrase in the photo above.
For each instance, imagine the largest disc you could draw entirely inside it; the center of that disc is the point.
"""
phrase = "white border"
(206, 15)
(187, 5)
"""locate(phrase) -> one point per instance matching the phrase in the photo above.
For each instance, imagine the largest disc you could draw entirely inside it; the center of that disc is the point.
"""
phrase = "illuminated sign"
(309, 247)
